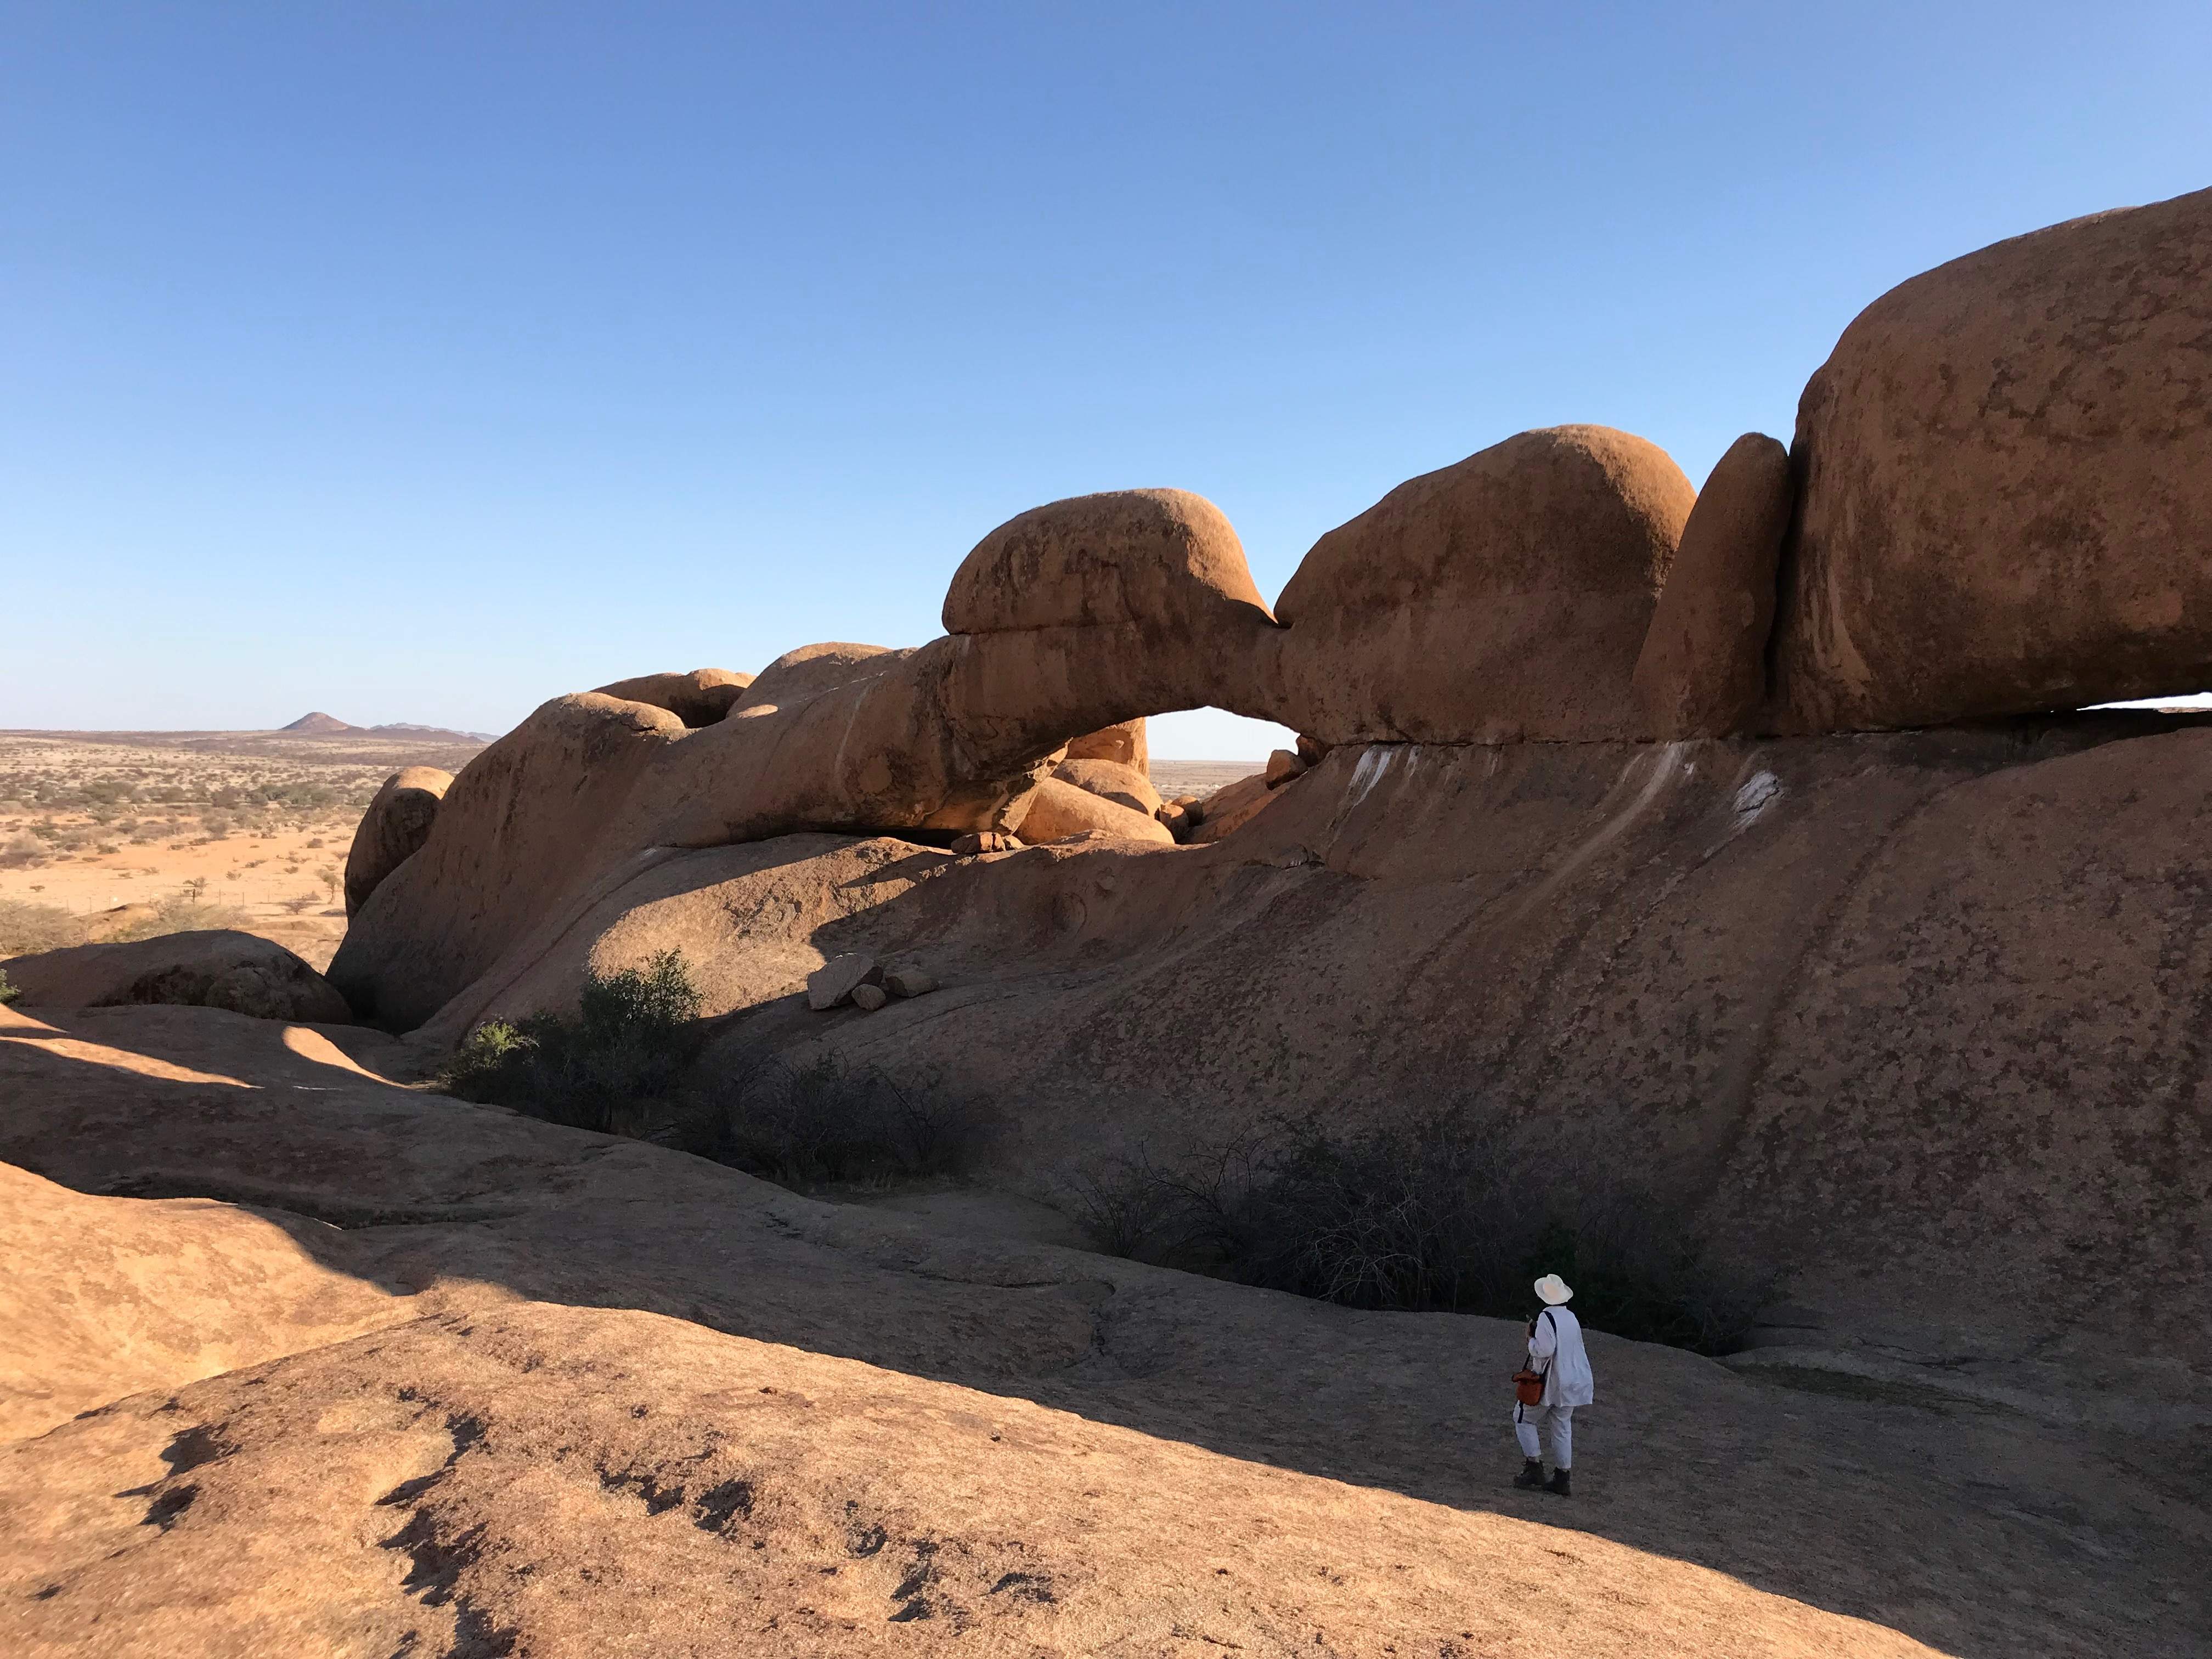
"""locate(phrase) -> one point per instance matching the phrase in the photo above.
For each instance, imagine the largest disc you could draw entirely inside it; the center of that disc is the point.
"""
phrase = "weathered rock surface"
(698, 698)
(2005, 494)
(1702, 672)
(1057, 810)
(512, 840)
(798, 676)
(1282, 766)
(392, 830)
(1230, 807)
(1124, 743)
(602, 1352)
(211, 967)
(1111, 780)
(1808, 987)
(106, 1297)
(1503, 597)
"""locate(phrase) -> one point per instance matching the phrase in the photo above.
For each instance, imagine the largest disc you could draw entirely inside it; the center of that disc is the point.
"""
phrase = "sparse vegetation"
(615, 1065)
(9, 992)
(825, 1122)
(1429, 1212)
(26, 928)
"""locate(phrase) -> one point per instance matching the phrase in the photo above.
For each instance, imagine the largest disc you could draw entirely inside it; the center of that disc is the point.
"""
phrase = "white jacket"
(1555, 1350)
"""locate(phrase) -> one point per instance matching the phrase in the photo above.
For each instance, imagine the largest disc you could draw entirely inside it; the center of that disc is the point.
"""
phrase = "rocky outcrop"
(1702, 672)
(1230, 807)
(948, 738)
(1123, 743)
(1111, 780)
(799, 676)
(1502, 598)
(2005, 490)
(698, 698)
(1825, 993)
(392, 830)
(1055, 810)
(213, 968)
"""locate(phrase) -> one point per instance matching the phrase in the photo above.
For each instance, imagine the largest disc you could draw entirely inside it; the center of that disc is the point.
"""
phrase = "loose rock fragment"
(869, 997)
(1282, 767)
(835, 980)
(909, 982)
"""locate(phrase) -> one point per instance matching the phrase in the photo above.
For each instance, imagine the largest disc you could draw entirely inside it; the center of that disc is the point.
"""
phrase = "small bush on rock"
(1429, 1212)
(8, 992)
(616, 1066)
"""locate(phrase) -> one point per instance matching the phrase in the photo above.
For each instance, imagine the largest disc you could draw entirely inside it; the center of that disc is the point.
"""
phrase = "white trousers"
(1529, 1423)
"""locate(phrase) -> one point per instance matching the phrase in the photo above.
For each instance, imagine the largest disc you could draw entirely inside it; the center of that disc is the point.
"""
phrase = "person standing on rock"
(1555, 1353)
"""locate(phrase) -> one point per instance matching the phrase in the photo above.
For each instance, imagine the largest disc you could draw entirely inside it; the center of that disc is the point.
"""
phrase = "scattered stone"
(1180, 820)
(835, 980)
(1310, 749)
(984, 841)
(869, 997)
(1282, 767)
(909, 982)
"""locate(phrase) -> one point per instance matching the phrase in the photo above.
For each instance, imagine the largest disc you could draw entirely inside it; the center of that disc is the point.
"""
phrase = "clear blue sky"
(421, 361)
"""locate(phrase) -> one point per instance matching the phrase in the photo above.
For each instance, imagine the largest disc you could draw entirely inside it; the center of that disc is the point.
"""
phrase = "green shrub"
(616, 1066)
(8, 993)
(1428, 1212)
(827, 1122)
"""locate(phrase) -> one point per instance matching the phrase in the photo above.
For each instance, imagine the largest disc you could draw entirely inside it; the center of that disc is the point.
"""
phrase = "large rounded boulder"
(208, 968)
(2005, 497)
(1164, 559)
(396, 824)
(1702, 672)
(1503, 598)
(697, 698)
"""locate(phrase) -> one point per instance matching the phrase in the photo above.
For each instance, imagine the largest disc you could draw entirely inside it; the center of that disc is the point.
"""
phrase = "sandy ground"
(250, 828)
(1200, 777)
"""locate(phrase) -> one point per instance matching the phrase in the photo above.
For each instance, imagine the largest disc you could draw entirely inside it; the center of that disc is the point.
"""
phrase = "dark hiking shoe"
(1531, 1476)
(1558, 1484)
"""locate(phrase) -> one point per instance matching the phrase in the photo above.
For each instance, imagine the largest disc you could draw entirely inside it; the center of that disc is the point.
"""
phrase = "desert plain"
(109, 834)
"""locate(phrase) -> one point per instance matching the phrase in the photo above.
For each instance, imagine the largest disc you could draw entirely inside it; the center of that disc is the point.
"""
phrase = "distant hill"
(319, 725)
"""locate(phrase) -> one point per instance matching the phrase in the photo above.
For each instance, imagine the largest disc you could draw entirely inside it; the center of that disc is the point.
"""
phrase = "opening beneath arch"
(1197, 750)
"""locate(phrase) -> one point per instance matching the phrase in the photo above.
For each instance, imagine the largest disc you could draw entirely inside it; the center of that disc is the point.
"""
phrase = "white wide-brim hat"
(1553, 1289)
